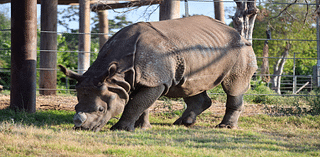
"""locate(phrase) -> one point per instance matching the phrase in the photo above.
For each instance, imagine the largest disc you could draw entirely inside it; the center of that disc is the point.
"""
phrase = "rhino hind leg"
(234, 87)
(234, 108)
(137, 105)
(143, 121)
(195, 106)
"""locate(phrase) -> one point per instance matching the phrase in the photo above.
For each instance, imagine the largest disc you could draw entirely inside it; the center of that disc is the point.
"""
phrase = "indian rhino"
(174, 58)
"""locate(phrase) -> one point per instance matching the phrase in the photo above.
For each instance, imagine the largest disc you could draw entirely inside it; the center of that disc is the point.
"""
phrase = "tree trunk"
(265, 61)
(244, 18)
(265, 64)
(278, 69)
(219, 10)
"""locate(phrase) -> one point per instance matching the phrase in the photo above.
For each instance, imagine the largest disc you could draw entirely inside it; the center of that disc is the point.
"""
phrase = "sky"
(137, 15)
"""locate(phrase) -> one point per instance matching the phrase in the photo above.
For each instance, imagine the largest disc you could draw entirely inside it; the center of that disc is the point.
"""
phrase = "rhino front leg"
(143, 121)
(195, 106)
(141, 101)
(234, 108)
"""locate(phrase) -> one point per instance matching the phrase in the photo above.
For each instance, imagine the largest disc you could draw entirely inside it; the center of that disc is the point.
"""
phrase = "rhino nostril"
(79, 119)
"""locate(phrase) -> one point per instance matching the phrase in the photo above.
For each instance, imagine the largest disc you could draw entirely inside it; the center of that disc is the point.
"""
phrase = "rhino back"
(188, 55)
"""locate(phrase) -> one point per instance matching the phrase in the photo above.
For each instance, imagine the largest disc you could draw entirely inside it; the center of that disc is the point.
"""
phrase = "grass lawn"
(50, 133)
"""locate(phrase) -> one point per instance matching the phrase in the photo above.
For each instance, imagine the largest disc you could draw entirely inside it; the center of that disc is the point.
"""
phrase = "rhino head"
(99, 99)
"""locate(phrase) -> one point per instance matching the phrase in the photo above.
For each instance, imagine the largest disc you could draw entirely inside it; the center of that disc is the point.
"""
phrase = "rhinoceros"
(174, 58)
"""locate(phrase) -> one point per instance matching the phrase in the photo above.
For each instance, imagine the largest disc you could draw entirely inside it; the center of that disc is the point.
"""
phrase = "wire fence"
(290, 83)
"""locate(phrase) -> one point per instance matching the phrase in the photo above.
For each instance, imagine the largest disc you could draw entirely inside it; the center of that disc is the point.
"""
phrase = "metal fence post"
(316, 69)
(294, 86)
(186, 8)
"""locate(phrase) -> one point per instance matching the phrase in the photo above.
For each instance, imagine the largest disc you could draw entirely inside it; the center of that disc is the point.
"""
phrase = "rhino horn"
(71, 74)
(79, 119)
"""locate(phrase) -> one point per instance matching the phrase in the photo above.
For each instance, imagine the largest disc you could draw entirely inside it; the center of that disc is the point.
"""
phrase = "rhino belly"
(196, 84)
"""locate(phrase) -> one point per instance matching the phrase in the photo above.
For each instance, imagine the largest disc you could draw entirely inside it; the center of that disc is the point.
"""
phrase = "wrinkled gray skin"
(176, 58)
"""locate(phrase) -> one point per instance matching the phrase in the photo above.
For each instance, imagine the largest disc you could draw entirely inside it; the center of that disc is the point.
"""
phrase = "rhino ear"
(109, 73)
(71, 74)
(112, 69)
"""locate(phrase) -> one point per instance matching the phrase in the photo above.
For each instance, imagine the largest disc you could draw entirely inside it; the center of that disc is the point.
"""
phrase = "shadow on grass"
(162, 124)
(40, 118)
(223, 139)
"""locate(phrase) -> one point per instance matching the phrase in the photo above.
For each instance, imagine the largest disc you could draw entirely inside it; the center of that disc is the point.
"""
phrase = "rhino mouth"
(79, 128)
(95, 128)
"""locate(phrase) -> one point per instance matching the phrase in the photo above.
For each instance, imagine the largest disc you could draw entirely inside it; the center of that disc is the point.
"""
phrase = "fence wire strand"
(7, 70)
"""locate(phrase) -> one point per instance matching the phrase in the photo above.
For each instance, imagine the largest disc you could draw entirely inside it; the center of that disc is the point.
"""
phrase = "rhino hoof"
(121, 127)
(188, 121)
(144, 126)
(178, 122)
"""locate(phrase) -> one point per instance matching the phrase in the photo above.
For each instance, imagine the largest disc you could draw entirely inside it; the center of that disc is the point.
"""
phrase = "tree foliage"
(285, 21)
(5, 51)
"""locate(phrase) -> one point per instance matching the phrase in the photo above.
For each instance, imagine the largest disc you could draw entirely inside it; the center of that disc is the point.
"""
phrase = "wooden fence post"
(84, 36)
(48, 43)
(219, 10)
(23, 55)
(103, 27)
(169, 9)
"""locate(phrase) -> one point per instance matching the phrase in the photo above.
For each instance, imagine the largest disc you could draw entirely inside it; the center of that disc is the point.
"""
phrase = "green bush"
(260, 93)
(298, 105)
(217, 94)
(314, 102)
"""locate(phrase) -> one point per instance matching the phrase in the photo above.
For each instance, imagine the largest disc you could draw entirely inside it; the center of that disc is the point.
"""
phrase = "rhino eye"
(101, 109)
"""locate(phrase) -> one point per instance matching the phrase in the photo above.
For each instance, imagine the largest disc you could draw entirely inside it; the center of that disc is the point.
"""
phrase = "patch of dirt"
(46, 102)
(68, 103)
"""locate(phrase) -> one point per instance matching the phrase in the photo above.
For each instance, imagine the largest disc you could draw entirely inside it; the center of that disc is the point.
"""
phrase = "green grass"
(40, 118)
(49, 133)
(5, 92)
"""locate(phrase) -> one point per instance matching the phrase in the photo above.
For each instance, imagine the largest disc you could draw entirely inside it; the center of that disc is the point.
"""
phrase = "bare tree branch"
(305, 19)
(132, 5)
(103, 6)
(284, 9)
(149, 14)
